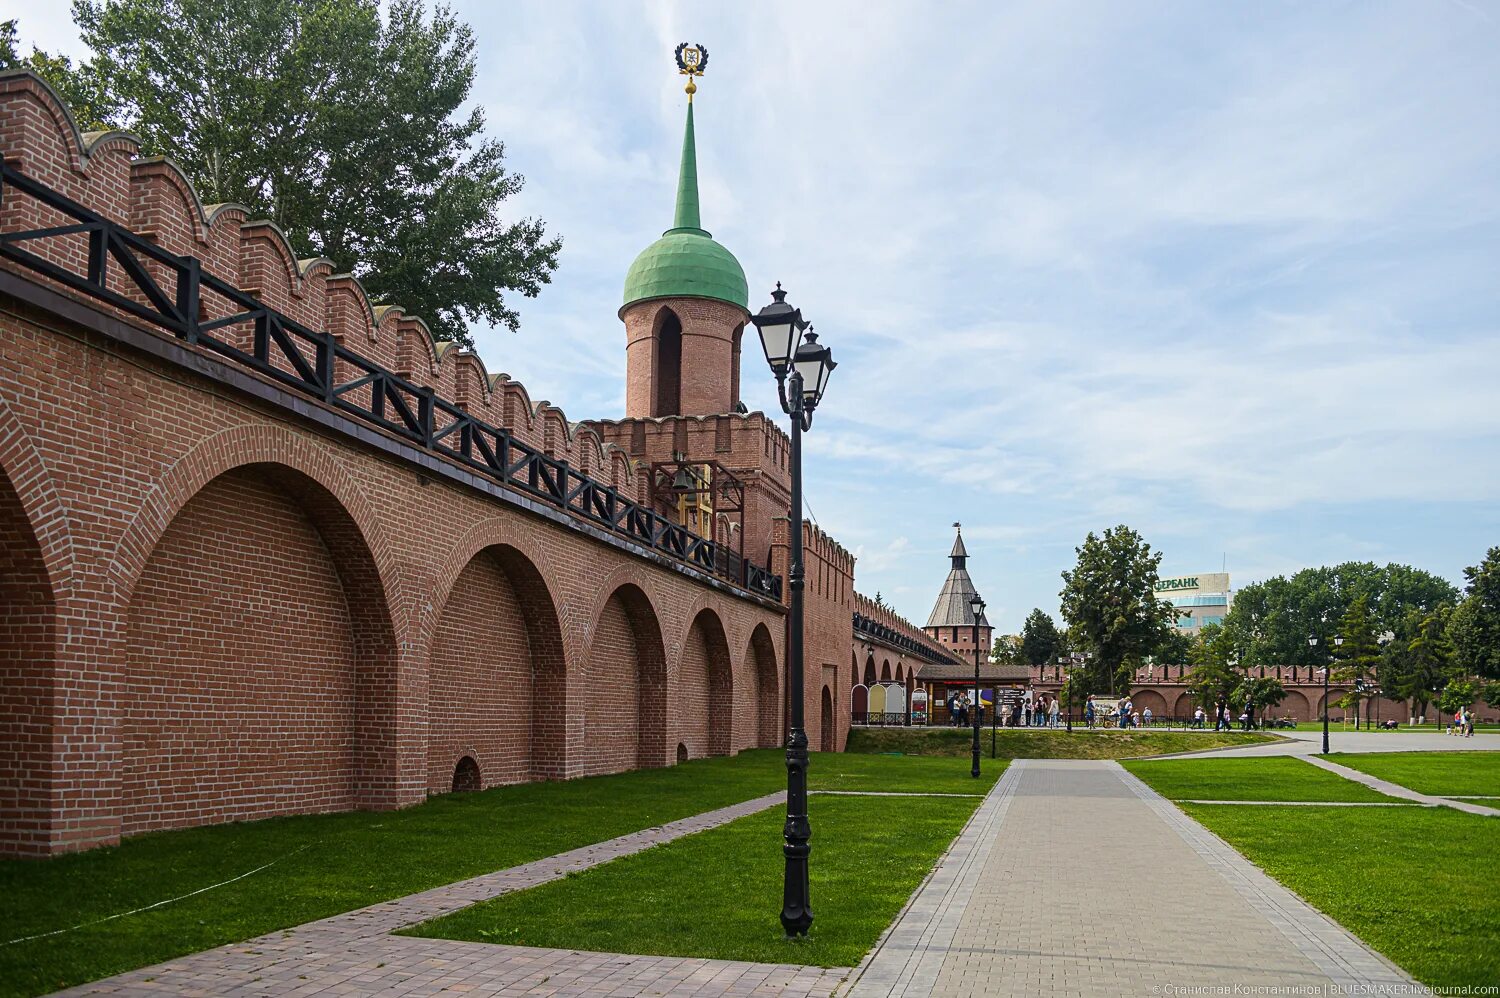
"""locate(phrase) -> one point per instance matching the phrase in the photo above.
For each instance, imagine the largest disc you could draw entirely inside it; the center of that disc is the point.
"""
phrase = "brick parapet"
(104, 172)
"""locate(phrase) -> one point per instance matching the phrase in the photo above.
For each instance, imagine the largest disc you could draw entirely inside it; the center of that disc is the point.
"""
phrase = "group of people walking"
(1030, 710)
(1125, 714)
(1463, 723)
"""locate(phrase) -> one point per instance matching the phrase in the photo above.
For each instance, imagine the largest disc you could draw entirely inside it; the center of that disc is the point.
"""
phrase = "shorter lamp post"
(1067, 679)
(1338, 642)
(977, 605)
(1312, 642)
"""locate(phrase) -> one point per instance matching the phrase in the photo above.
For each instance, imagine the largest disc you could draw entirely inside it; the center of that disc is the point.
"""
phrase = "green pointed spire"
(686, 218)
(686, 262)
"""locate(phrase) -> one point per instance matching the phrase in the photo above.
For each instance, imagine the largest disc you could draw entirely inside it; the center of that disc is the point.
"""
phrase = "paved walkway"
(354, 953)
(1309, 741)
(1075, 878)
(1397, 790)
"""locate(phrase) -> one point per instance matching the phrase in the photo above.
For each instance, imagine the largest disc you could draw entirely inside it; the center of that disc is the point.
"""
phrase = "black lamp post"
(1067, 685)
(1338, 641)
(977, 605)
(1312, 642)
(802, 366)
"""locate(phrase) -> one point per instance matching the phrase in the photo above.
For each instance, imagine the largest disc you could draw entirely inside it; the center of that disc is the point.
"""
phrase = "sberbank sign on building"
(1168, 585)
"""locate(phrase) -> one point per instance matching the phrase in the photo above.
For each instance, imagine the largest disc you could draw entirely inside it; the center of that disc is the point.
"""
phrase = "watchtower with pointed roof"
(951, 623)
(685, 310)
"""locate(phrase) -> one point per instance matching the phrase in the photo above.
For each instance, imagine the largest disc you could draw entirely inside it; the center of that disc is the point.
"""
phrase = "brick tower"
(952, 621)
(684, 313)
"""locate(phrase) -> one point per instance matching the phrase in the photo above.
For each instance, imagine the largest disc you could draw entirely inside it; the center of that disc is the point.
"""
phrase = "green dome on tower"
(686, 262)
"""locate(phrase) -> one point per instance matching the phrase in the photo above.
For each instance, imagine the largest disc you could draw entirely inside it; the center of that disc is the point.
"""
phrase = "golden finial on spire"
(692, 60)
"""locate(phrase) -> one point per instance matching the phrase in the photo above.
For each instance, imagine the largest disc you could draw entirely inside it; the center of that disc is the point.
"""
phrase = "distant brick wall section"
(829, 628)
(153, 518)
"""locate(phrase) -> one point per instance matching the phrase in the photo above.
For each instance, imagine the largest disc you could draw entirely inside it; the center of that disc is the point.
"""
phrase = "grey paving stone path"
(1309, 740)
(1397, 790)
(354, 953)
(1075, 878)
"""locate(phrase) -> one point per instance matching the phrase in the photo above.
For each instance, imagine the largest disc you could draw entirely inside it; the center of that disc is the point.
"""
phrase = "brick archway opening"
(766, 702)
(496, 677)
(289, 708)
(705, 689)
(27, 638)
(626, 655)
(682, 752)
(870, 671)
(668, 364)
(885, 671)
(825, 730)
(466, 776)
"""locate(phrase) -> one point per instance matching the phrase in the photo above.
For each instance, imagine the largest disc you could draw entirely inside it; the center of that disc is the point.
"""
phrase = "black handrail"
(316, 364)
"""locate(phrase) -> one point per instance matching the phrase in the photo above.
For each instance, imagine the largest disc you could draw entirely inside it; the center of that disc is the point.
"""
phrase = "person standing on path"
(1088, 711)
(1056, 710)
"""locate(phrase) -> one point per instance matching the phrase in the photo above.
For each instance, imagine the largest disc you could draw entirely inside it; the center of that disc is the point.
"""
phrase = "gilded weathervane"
(692, 60)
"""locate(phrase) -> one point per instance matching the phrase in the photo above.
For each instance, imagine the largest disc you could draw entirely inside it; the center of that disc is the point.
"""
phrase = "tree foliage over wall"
(1271, 620)
(345, 128)
(1040, 642)
(1109, 602)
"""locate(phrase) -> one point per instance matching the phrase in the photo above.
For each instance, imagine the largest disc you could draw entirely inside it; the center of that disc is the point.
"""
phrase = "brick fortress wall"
(223, 604)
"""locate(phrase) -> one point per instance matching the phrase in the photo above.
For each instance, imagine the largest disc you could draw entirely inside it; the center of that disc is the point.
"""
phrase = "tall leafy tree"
(1475, 625)
(348, 129)
(1212, 679)
(1040, 642)
(1175, 647)
(92, 107)
(1358, 658)
(1417, 667)
(1109, 602)
(1272, 619)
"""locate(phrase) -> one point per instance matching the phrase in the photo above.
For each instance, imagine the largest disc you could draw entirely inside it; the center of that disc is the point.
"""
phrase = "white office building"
(1200, 599)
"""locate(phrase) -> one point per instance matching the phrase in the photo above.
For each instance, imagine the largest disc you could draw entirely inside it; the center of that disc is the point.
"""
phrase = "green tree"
(1212, 679)
(1007, 650)
(1257, 694)
(1174, 648)
(1427, 661)
(1040, 641)
(348, 130)
(1457, 694)
(1357, 659)
(76, 85)
(1272, 619)
(1475, 625)
(1109, 602)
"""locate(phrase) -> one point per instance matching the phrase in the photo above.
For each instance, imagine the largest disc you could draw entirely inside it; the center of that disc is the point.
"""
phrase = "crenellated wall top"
(105, 172)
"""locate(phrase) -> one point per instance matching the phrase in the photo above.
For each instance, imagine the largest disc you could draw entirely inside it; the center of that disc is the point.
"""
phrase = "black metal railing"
(881, 632)
(177, 295)
(880, 719)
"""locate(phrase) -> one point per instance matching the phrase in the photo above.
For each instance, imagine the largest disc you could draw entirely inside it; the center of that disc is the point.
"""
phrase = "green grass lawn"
(1411, 882)
(684, 899)
(1266, 778)
(1014, 743)
(1442, 774)
(326, 864)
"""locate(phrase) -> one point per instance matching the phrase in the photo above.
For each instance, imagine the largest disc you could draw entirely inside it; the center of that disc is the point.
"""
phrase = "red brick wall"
(159, 522)
(612, 731)
(479, 687)
(217, 721)
(26, 636)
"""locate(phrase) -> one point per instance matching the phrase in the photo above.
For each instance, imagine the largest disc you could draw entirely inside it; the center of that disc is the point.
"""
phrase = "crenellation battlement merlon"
(105, 172)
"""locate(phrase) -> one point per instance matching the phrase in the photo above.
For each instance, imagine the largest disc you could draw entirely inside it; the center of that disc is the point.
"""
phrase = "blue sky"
(1229, 274)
